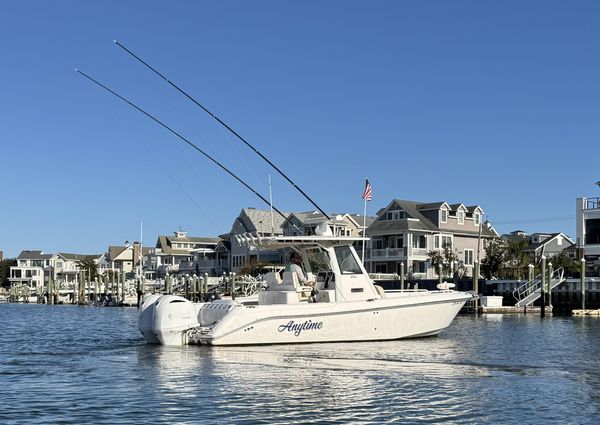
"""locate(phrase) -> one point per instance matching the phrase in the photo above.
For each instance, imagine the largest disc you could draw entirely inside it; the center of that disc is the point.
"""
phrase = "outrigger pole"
(223, 124)
(182, 138)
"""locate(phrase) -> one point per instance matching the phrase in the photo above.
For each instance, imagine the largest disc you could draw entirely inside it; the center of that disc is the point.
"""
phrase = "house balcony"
(417, 252)
(387, 254)
(591, 204)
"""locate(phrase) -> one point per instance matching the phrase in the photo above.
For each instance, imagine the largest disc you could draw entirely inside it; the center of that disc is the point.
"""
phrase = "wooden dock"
(514, 310)
(587, 312)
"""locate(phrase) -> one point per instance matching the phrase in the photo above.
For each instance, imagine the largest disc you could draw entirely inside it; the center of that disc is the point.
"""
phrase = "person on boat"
(295, 266)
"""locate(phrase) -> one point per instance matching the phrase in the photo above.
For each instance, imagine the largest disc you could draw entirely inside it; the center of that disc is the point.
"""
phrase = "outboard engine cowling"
(173, 315)
(146, 318)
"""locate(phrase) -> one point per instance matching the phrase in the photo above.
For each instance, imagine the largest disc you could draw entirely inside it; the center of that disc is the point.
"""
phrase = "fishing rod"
(182, 138)
(176, 87)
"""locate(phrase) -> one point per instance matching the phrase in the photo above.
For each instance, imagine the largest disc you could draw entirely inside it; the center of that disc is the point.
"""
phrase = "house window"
(446, 241)
(418, 267)
(468, 257)
(559, 240)
(461, 217)
(476, 219)
(436, 241)
(444, 216)
(400, 241)
(394, 215)
(419, 241)
(380, 268)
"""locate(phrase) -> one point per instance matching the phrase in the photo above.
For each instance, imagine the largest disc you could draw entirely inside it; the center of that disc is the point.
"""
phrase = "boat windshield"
(318, 260)
(346, 261)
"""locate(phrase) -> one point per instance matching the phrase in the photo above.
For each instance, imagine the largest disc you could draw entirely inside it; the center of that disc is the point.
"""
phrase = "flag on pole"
(368, 193)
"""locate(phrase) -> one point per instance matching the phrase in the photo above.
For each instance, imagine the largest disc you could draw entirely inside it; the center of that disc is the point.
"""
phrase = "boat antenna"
(182, 138)
(176, 87)
(271, 201)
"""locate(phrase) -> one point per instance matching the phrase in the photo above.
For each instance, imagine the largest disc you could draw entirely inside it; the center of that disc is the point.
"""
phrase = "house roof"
(358, 218)
(33, 255)
(114, 251)
(77, 257)
(430, 206)
(165, 243)
(252, 220)
(421, 223)
(532, 246)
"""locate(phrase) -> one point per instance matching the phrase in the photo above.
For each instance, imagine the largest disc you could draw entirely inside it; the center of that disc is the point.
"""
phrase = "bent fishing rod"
(235, 133)
(183, 139)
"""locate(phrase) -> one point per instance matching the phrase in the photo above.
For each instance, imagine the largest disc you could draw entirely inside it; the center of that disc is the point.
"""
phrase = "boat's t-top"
(331, 262)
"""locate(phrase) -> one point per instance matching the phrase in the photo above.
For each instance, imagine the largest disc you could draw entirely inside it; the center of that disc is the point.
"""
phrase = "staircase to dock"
(530, 291)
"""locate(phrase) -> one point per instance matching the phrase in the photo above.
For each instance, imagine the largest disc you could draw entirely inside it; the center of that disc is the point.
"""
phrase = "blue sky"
(480, 102)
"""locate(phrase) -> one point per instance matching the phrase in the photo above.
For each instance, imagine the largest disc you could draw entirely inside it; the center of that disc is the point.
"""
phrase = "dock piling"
(583, 284)
(402, 275)
(542, 288)
(476, 285)
(550, 271)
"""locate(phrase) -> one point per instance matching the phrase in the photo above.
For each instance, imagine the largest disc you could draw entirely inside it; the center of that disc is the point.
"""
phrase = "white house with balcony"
(34, 269)
(29, 270)
(405, 231)
(183, 254)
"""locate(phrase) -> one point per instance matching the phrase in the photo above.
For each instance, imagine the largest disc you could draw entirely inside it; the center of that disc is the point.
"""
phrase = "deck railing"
(592, 203)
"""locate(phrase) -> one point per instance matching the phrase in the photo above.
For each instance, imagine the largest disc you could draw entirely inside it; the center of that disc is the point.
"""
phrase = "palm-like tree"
(516, 257)
(89, 268)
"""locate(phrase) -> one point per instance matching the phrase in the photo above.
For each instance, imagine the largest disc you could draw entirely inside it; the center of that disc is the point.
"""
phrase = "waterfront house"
(66, 266)
(538, 244)
(29, 270)
(120, 258)
(405, 231)
(588, 231)
(34, 268)
(253, 221)
(183, 254)
(305, 223)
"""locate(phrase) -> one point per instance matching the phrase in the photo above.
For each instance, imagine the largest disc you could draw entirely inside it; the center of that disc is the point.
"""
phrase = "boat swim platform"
(587, 312)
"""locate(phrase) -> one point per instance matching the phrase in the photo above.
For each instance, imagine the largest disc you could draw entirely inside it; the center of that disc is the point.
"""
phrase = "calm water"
(65, 364)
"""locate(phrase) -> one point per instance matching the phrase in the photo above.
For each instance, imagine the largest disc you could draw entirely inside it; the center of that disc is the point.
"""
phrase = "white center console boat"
(347, 307)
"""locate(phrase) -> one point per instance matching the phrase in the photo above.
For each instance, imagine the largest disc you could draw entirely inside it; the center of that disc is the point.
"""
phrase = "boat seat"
(380, 291)
(290, 280)
(273, 279)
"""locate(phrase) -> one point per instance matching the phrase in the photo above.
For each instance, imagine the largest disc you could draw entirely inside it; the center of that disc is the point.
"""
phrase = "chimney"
(137, 253)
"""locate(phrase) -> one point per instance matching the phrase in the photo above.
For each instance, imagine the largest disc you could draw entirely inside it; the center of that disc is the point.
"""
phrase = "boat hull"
(403, 316)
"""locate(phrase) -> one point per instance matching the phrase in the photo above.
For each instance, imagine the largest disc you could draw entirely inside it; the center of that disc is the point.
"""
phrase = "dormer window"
(476, 219)
(460, 215)
(444, 216)
(394, 215)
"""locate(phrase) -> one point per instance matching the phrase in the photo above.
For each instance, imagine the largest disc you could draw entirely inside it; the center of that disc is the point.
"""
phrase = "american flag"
(368, 193)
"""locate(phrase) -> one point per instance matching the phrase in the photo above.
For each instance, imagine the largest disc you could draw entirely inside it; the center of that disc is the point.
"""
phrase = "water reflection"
(79, 365)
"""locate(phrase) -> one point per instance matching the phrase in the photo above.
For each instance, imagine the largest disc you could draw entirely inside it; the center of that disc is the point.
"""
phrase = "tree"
(565, 261)
(5, 266)
(442, 260)
(516, 257)
(494, 258)
(89, 268)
